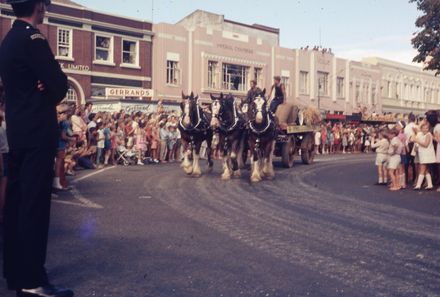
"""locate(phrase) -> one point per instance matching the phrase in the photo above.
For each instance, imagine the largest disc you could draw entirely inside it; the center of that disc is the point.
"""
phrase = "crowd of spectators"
(336, 138)
(90, 140)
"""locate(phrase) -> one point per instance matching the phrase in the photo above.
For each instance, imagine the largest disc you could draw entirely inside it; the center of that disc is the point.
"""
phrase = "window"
(285, 82)
(389, 90)
(235, 77)
(304, 82)
(129, 52)
(64, 43)
(323, 83)
(71, 95)
(340, 87)
(173, 73)
(258, 76)
(212, 74)
(358, 91)
(104, 49)
(373, 95)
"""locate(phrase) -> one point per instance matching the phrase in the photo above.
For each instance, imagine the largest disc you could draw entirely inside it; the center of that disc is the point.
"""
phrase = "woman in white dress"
(426, 154)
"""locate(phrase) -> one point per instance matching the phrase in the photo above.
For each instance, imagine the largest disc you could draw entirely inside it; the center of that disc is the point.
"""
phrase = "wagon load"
(287, 114)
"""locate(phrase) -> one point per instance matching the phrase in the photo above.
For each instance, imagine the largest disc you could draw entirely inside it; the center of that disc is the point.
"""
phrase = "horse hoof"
(255, 179)
(270, 177)
(237, 174)
(226, 177)
(188, 170)
(196, 174)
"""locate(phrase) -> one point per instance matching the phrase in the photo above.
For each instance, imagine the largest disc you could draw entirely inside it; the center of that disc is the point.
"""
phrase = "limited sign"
(128, 92)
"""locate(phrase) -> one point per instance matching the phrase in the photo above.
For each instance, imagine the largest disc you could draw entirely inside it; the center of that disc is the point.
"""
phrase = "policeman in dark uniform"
(34, 84)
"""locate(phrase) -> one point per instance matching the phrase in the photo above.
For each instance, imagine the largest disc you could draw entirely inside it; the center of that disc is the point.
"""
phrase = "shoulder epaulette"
(38, 36)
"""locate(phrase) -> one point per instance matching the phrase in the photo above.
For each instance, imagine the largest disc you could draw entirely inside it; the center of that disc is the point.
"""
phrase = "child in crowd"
(381, 144)
(394, 152)
(426, 154)
(100, 146)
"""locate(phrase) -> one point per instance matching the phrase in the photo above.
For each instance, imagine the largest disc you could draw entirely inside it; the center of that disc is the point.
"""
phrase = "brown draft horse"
(194, 128)
(230, 126)
(262, 135)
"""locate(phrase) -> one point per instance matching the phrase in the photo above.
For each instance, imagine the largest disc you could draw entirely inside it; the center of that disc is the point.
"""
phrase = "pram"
(125, 156)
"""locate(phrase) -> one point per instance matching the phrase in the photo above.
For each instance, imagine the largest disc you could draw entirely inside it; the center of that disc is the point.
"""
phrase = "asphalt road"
(319, 230)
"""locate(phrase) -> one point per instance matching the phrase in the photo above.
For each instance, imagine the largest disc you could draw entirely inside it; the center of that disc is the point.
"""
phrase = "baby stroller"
(125, 156)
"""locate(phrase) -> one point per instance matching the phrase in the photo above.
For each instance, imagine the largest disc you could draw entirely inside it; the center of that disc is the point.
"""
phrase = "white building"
(406, 88)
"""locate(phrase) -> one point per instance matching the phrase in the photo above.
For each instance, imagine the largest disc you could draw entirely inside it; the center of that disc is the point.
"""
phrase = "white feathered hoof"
(196, 173)
(255, 179)
(188, 170)
(226, 176)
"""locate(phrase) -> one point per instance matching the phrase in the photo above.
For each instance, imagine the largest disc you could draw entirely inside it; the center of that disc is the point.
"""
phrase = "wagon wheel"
(288, 153)
(308, 149)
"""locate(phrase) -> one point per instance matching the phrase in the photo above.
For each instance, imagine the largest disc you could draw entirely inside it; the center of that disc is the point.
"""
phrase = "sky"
(353, 29)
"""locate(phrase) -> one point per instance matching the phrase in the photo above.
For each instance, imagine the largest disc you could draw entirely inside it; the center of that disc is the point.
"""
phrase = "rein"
(260, 132)
(234, 125)
(196, 127)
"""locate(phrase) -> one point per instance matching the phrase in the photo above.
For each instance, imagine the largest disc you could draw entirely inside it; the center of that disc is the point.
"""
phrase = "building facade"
(97, 51)
(406, 88)
(209, 54)
(116, 61)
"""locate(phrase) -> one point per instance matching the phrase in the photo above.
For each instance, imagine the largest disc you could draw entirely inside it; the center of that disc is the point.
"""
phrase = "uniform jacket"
(25, 59)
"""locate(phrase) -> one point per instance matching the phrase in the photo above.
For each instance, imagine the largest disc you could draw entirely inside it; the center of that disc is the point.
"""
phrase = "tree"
(427, 40)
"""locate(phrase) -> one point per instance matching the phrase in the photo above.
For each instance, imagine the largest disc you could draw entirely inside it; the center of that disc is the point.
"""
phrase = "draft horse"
(194, 127)
(230, 126)
(262, 135)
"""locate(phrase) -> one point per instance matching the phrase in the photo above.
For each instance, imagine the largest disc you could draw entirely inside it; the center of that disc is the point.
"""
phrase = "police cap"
(47, 2)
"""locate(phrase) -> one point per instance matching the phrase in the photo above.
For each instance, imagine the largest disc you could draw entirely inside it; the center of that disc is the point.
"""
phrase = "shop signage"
(129, 92)
(128, 107)
(235, 48)
(74, 67)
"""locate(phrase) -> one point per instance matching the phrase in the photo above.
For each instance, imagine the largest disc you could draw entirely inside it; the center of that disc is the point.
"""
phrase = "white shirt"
(409, 131)
(381, 146)
(101, 138)
(318, 138)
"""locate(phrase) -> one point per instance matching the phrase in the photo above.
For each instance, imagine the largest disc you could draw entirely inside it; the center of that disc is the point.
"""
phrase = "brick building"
(95, 50)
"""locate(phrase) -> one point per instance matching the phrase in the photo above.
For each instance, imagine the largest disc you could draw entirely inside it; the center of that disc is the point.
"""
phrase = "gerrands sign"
(128, 92)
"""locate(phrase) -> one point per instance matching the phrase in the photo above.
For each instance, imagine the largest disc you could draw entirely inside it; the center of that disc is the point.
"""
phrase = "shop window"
(64, 45)
(173, 73)
(130, 55)
(323, 83)
(71, 96)
(340, 87)
(104, 48)
(235, 77)
(258, 76)
(304, 82)
(212, 74)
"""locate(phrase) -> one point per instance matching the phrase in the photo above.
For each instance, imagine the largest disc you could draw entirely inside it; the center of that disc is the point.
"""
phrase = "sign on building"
(128, 92)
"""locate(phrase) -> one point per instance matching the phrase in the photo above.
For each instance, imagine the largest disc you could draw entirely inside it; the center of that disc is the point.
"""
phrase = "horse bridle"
(236, 119)
(260, 132)
(199, 122)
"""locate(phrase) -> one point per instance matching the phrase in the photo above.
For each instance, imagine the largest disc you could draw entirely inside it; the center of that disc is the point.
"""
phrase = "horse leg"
(197, 172)
(209, 151)
(269, 173)
(186, 164)
(240, 152)
(226, 170)
(235, 157)
(256, 170)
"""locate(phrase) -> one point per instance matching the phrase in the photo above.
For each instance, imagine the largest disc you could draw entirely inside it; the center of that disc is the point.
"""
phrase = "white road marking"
(83, 202)
(91, 174)
(145, 197)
